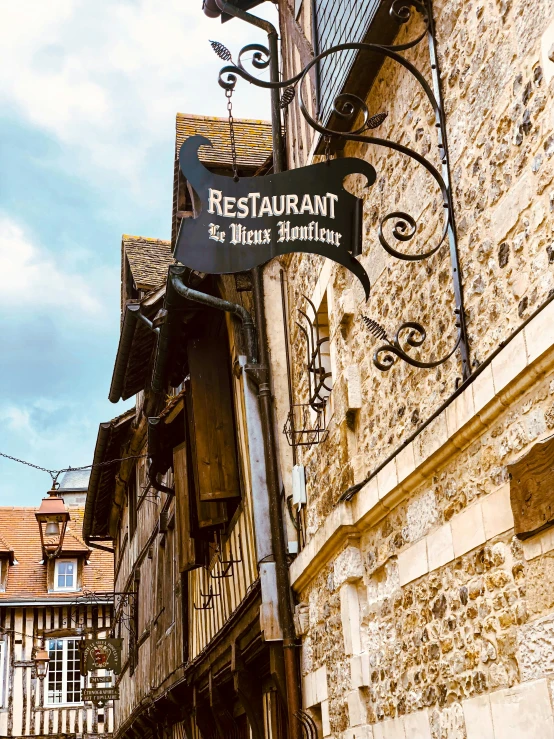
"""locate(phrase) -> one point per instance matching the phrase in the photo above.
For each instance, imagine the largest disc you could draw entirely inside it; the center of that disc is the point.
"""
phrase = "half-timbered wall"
(237, 544)
(209, 613)
(150, 620)
(23, 697)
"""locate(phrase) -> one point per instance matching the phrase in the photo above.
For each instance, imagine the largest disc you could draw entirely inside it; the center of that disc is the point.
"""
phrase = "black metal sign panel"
(99, 696)
(101, 654)
(100, 679)
(244, 224)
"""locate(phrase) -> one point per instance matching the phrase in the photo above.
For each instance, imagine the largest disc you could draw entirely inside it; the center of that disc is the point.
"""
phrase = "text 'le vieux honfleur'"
(254, 206)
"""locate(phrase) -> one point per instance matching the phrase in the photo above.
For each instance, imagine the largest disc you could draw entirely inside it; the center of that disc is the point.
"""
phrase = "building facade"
(412, 450)
(202, 655)
(53, 605)
(423, 581)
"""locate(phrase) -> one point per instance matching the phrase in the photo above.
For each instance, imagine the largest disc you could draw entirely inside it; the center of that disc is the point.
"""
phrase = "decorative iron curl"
(261, 58)
(309, 726)
(348, 107)
(401, 11)
(385, 356)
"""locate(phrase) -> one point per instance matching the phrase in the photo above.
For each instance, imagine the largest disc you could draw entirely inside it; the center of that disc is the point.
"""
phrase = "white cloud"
(33, 278)
(108, 78)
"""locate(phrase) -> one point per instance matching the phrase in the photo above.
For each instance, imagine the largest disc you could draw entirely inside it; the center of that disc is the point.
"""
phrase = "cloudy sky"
(88, 97)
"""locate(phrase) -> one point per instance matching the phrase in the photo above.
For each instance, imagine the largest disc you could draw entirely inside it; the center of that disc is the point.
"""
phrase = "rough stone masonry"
(421, 615)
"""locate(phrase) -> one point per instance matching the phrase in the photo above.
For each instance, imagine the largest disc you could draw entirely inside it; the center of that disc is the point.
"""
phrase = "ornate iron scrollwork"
(317, 373)
(397, 227)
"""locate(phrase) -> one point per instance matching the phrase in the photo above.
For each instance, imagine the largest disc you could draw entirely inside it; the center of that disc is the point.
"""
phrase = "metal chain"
(327, 149)
(228, 95)
(55, 473)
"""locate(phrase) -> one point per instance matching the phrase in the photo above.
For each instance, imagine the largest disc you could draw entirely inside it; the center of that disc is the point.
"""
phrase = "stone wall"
(435, 622)
(439, 605)
(498, 99)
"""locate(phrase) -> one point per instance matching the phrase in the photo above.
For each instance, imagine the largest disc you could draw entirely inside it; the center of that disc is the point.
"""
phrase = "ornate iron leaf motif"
(222, 51)
(246, 222)
(287, 97)
(376, 120)
(375, 328)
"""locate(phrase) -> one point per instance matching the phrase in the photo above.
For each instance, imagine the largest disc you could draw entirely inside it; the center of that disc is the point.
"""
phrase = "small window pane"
(65, 575)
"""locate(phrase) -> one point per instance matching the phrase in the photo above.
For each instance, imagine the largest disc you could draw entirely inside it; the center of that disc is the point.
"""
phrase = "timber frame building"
(201, 656)
(48, 604)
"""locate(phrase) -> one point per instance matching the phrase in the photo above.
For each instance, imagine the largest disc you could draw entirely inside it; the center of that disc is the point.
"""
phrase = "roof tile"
(27, 579)
(253, 139)
(149, 260)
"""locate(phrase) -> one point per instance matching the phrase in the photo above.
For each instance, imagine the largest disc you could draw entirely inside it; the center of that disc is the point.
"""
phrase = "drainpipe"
(264, 394)
(249, 330)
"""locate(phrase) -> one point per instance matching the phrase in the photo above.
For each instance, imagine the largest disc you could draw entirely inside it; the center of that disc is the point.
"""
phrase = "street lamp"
(52, 518)
(41, 663)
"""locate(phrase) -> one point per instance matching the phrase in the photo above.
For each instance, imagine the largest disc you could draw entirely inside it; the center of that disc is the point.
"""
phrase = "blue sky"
(88, 97)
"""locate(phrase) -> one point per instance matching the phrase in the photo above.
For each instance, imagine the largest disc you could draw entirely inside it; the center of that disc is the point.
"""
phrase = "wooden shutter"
(211, 420)
(185, 541)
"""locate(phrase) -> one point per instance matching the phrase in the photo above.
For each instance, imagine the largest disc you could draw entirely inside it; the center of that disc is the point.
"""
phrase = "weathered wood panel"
(186, 544)
(212, 422)
(227, 592)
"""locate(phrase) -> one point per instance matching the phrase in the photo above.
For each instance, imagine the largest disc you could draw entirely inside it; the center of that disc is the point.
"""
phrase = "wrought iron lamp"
(52, 517)
(41, 663)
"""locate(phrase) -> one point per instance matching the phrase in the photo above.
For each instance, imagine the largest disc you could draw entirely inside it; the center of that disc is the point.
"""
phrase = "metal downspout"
(292, 674)
(249, 329)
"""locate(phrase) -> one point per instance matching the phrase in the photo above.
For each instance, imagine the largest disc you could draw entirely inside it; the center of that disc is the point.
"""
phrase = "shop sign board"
(101, 654)
(100, 696)
(241, 224)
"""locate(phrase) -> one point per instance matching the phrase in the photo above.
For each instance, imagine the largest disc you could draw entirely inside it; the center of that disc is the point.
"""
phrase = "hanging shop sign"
(100, 696)
(100, 679)
(245, 223)
(101, 654)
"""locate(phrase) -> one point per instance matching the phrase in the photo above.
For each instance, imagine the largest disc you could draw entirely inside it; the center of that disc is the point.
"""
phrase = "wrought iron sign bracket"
(398, 227)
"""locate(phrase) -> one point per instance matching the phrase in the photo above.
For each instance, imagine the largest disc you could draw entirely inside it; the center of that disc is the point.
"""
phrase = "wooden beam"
(249, 693)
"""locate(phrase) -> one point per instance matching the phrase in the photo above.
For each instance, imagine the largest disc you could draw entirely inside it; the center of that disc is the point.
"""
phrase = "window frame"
(74, 588)
(64, 690)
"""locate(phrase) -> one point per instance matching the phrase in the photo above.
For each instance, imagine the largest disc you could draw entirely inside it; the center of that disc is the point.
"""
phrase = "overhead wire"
(54, 474)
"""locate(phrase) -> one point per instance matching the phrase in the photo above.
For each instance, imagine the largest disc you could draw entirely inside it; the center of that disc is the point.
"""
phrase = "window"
(338, 23)
(65, 574)
(64, 676)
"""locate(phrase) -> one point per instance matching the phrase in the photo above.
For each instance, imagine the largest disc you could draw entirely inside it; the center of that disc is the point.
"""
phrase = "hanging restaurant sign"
(247, 222)
(101, 654)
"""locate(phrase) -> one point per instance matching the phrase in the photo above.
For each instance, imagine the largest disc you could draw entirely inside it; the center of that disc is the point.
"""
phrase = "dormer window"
(65, 575)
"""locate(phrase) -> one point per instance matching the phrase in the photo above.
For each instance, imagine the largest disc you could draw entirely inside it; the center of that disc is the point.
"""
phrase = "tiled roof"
(6, 549)
(253, 139)
(27, 579)
(149, 260)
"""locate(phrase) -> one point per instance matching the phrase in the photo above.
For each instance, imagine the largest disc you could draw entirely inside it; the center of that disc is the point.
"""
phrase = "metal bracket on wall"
(398, 227)
(226, 566)
(208, 603)
(319, 391)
